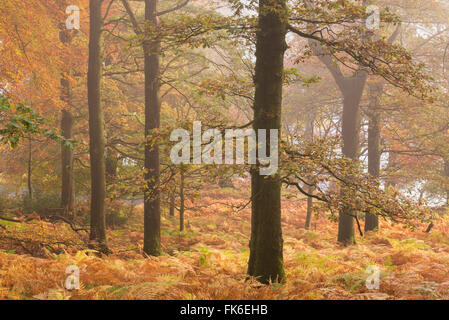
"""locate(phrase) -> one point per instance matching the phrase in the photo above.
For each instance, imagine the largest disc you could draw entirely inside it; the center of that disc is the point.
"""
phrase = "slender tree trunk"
(172, 203)
(30, 159)
(182, 203)
(309, 136)
(68, 188)
(67, 183)
(152, 207)
(96, 129)
(309, 209)
(446, 174)
(266, 261)
(374, 153)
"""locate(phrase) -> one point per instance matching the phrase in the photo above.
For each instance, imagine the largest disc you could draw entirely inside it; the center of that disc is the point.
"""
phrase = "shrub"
(117, 213)
(40, 203)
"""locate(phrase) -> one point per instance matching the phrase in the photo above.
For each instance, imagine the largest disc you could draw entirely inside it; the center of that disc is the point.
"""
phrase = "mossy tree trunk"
(266, 245)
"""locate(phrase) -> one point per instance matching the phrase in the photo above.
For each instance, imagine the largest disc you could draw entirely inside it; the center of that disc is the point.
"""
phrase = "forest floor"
(208, 260)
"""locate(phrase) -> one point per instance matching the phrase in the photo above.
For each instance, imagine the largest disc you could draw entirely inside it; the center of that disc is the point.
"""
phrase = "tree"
(266, 261)
(68, 184)
(152, 72)
(374, 147)
(352, 91)
(152, 205)
(309, 133)
(151, 51)
(96, 129)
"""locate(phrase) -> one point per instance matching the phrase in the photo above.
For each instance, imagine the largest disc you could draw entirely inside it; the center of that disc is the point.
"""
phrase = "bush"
(117, 213)
(8, 203)
(41, 203)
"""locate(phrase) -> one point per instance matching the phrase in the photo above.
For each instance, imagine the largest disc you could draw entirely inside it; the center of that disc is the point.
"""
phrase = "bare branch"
(177, 7)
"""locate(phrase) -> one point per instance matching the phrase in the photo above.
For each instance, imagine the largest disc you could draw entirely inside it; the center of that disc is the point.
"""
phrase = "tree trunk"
(172, 203)
(96, 129)
(309, 209)
(446, 174)
(309, 137)
(266, 261)
(352, 94)
(181, 205)
(30, 159)
(374, 153)
(152, 208)
(68, 188)
(67, 177)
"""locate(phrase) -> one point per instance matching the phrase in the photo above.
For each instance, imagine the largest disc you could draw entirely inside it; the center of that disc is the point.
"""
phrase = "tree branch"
(177, 7)
(132, 17)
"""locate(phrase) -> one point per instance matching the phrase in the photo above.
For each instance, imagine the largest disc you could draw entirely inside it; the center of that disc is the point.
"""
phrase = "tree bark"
(374, 152)
(96, 129)
(266, 261)
(152, 207)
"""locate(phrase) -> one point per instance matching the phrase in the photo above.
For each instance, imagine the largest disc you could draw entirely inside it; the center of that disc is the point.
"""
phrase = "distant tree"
(68, 183)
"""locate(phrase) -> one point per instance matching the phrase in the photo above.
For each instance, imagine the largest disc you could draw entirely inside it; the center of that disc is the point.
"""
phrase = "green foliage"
(204, 257)
(389, 263)
(21, 121)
